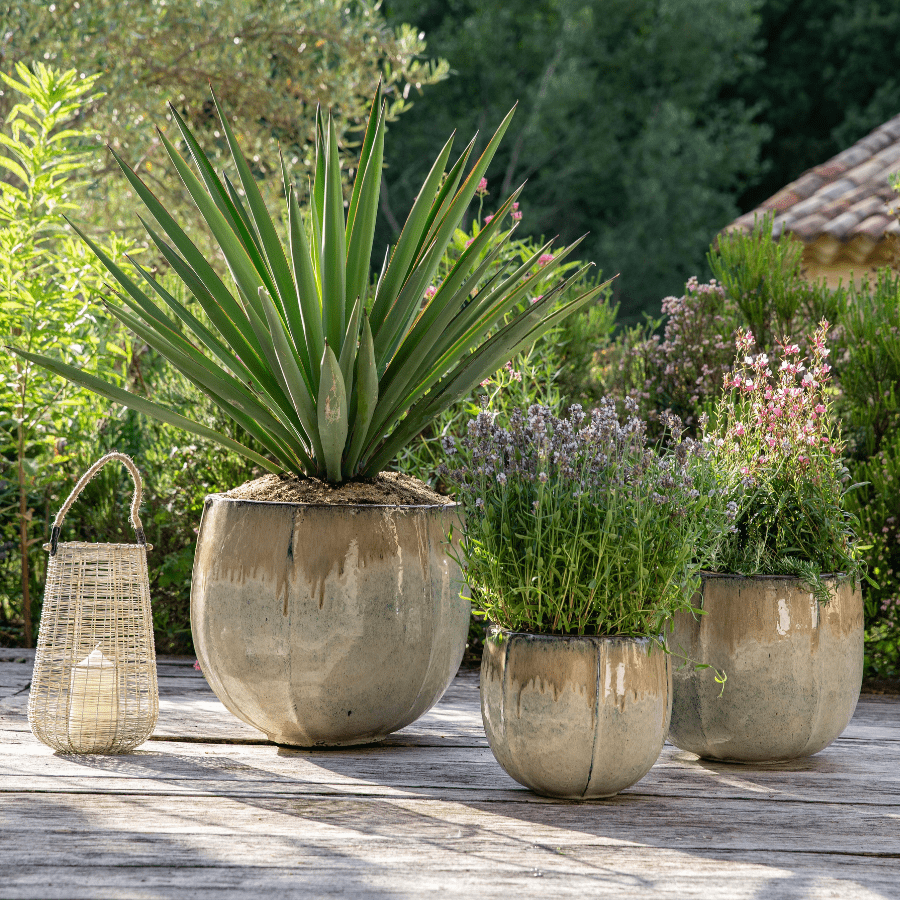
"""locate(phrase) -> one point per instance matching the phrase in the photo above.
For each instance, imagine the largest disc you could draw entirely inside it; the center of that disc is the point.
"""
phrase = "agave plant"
(329, 370)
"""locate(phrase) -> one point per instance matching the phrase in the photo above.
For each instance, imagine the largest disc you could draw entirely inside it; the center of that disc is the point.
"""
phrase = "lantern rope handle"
(91, 472)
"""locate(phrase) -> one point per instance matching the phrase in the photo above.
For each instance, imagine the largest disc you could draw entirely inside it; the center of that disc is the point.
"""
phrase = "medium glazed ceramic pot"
(327, 625)
(793, 667)
(575, 717)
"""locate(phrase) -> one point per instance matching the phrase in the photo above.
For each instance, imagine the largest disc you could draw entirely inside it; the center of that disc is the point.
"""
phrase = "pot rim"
(831, 576)
(577, 637)
(453, 504)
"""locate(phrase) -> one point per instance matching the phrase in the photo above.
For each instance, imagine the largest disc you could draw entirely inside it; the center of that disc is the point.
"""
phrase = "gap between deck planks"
(212, 808)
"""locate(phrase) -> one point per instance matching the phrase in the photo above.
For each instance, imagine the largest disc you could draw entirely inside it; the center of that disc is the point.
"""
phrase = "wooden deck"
(208, 809)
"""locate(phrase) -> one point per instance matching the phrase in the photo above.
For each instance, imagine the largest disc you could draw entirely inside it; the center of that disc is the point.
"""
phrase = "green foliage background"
(650, 124)
(624, 129)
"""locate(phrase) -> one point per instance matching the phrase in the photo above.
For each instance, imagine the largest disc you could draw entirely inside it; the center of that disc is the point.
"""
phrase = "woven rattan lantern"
(94, 684)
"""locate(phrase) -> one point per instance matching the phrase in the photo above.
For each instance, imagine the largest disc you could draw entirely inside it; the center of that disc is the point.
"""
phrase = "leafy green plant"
(578, 525)
(876, 503)
(330, 378)
(777, 449)
(46, 277)
(869, 369)
(763, 279)
(556, 367)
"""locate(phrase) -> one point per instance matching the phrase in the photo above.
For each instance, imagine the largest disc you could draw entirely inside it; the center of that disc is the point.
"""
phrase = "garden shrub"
(869, 366)
(47, 281)
(680, 371)
(876, 503)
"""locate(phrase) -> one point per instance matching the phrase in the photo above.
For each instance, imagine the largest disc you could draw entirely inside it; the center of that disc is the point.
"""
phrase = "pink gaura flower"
(487, 219)
(481, 190)
(430, 291)
(516, 215)
(544, 259)
(820, 409)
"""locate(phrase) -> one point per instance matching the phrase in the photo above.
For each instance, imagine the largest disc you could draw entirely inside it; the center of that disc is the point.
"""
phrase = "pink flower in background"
(544, 259)
(469, 241)
(197, 664)
(516, 375)
(481, 190)
(430, 291)
(487, 219)
(535, 299)
(516, 215)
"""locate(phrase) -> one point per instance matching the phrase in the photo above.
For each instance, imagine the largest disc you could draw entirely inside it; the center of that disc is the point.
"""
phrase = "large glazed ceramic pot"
(793, 667)
(327, 625)
(575, 717)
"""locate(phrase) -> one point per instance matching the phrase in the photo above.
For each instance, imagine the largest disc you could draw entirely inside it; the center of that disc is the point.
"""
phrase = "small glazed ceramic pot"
(575, 717)
(793, 668)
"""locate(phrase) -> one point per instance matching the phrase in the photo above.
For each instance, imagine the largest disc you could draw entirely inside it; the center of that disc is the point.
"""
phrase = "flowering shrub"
(577, 525)
(681, 370)
(778, 451)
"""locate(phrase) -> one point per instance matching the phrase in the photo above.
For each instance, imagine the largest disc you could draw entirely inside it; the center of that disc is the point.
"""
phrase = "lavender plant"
(578, 525)
(778, 448)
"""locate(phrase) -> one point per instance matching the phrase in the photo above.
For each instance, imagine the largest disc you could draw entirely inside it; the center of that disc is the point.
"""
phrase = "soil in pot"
(387, 488)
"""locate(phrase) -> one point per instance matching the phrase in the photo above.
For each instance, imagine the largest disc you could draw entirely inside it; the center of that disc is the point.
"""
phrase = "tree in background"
(625, 131)
(270, 64)
(830, 74)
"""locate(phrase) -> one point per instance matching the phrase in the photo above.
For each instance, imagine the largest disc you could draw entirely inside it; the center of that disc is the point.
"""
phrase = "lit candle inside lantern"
(93, 703)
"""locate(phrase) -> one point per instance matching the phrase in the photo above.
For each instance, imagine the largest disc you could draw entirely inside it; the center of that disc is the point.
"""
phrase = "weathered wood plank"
(629, 846)
(838, 774)
(620, 873)
(729, 825)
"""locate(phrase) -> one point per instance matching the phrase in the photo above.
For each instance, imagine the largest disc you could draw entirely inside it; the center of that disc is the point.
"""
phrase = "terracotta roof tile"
(865, 172)
(841, 226)
(809, 228)
(867, 207)
(852, 156)
(876, 141)
(889, 155)
(873, 226)
(836, 189)
(808, 206)
(806, 185)
(782, 200)
(846, 201)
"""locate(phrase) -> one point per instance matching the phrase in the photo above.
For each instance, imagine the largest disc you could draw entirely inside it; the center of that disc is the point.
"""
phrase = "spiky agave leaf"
(331, 377)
